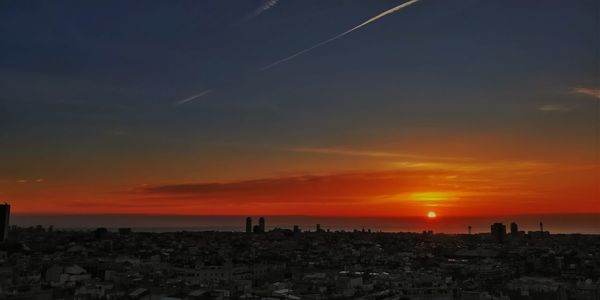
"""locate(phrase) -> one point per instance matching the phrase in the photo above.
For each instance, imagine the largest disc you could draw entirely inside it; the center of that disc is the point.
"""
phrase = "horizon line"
(303, 215)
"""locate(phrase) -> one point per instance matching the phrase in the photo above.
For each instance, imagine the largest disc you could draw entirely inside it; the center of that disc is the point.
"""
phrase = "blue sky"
(89, 89)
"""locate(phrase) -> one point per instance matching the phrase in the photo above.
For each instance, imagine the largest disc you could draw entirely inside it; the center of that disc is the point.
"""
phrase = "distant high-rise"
(541, 227)
(296, 229)
(514, 228)
(124, 231)
(4, 221)
(469, 228)
(100, 232)
(318, 227)
(261, 225)
(498, 231)
(248, 225)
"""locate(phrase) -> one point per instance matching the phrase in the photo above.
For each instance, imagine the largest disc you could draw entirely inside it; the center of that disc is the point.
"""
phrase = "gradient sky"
(462, 107)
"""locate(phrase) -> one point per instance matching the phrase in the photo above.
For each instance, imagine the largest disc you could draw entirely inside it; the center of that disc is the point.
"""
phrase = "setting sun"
(431, 214)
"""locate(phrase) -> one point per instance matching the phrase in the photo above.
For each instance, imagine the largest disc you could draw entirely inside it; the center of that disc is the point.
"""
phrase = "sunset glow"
(371, 109)
(271, 149)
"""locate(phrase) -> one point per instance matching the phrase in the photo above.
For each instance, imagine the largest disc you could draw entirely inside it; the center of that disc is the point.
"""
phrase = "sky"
(381, 108)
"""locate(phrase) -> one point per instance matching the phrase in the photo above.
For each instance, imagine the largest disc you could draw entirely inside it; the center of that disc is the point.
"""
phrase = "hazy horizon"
(555, 223)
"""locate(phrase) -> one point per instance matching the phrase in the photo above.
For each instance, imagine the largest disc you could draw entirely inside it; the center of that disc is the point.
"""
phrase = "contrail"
(270, 3)
(193, 97)
(365, 23)
(266, 5)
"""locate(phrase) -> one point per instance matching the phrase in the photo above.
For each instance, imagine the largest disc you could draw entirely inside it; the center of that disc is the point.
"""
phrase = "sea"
(554, 223)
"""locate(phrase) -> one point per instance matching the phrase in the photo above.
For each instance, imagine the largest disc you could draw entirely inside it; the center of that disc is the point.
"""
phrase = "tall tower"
(261, 225)
(514, 228)
(541, 227)
(498, 231)
(4, 221)
(248, 225)
(469, 229)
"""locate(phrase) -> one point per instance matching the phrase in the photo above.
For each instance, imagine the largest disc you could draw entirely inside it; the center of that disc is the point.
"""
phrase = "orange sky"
(328, 181)
(465, 108)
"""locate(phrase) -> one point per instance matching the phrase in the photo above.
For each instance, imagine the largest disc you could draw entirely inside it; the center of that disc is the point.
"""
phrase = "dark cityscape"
(293, 263)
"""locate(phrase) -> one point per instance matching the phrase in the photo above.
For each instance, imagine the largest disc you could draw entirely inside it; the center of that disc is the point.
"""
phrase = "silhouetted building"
(318, 227)
(498, 231)
(261, 225)
(514, 228)
(256, 229)
(248, 225)
(541, 227)
(100, 232)
(469, 228)
(4, 221)
(296, 229)
(124, 231)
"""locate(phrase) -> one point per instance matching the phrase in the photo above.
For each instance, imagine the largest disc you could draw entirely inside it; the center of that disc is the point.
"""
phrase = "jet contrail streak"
(265, 5)
(268, 4)
(371, 20)
(193, 97)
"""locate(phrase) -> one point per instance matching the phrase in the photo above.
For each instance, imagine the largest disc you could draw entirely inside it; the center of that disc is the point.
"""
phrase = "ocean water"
(555, 223)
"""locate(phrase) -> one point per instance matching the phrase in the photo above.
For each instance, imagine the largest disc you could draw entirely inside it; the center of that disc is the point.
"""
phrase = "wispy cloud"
(553, 108)
(351, 152)
(37, 180)
(365, 23)
(406, 177)
(415, 184)
(588, 92)
(188, 99)
(508, 170)
(307, 188)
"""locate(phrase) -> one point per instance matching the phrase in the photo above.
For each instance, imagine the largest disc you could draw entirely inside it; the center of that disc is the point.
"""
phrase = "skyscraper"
(248, 225)
(4, 221)
(261, 225)
(498, 231)
(514, 228)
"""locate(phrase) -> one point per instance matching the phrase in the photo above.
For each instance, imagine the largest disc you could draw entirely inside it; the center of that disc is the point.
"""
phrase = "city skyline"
(389, 109)
(296, 264)
(498, 230)
(556, 223)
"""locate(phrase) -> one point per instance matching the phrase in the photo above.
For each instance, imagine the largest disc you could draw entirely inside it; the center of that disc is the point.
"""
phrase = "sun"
(431, 214)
